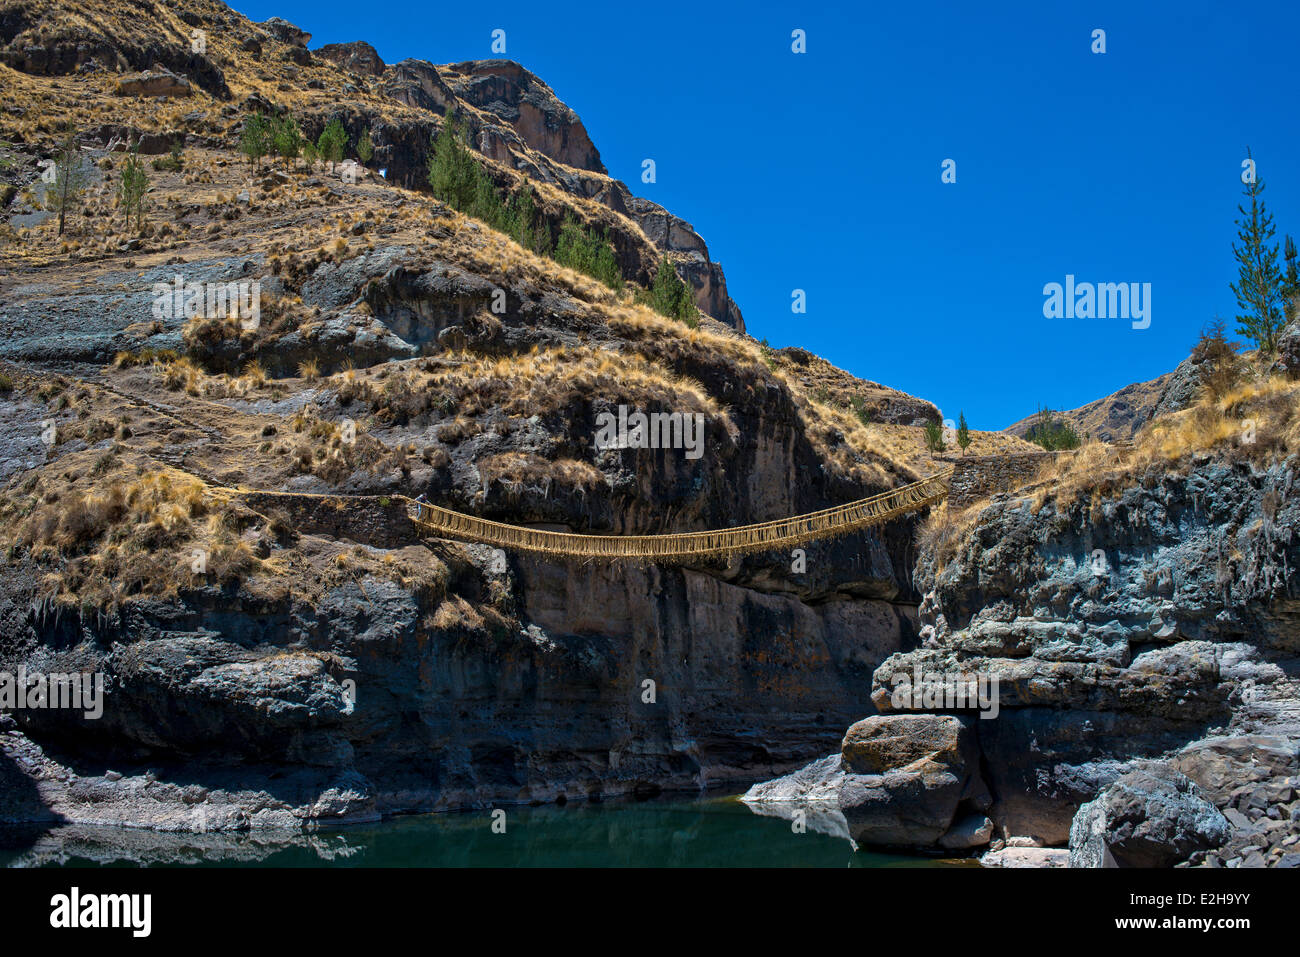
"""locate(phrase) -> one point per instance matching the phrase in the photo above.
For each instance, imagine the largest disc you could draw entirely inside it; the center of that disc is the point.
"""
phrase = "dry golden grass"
(941, 532)
(534, 383)
(870, 457)
(122, 527)
(181, 374)
(1259, 421)
(525, 469)
(662, 338)
(255, 374)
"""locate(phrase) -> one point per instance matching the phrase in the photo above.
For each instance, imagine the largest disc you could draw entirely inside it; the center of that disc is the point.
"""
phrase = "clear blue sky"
(821, 171)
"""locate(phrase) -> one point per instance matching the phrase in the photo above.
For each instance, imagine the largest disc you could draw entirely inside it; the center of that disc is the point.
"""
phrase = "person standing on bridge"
(421, 503)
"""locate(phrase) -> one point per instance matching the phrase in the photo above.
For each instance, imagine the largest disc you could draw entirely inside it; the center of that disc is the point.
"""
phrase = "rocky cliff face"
(233, 709)
(1144, 645)
(34, 39)
(511, 93)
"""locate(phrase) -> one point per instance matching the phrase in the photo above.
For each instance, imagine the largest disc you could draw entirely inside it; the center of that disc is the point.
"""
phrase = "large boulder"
(356, 57)
(1153, 816)
(286, 32)
(885, 743)
(153, 83)
(900, 809)
(908, 777)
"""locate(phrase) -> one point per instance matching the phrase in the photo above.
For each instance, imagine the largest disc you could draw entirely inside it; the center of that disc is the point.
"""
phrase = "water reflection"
(719, 832)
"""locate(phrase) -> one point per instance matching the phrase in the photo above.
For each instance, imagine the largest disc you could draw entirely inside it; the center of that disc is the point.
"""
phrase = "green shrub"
(578, 247)
(173, 161)
(1052, 433)
(934, 437)
(671, 296)
(861, 409)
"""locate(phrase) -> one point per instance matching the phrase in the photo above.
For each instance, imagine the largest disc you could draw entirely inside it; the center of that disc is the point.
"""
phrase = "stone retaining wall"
(979, 476)
(378, 521)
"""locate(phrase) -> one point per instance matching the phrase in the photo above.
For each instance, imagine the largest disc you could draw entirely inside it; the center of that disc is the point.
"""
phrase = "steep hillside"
(1114, 418)
(110, 70)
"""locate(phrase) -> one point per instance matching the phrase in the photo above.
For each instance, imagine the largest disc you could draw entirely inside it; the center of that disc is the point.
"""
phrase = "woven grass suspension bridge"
(679, 546)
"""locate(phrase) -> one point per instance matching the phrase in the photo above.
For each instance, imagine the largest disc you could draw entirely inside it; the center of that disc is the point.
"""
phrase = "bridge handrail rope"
(826, 523)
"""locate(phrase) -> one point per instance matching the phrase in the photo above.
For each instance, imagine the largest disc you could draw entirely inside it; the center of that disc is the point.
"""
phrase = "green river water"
(679, 832)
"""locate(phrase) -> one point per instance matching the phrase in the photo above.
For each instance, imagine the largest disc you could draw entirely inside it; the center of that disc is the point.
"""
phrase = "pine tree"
(365, 148)
(670, 295)
(1219, 365)
(69, 176)
(455, 177)
(286, 137)
(132, 187)
(458, 179)
(1259, 286)
(934, 437)
(519, 217)
(963, 433)
(255, 140)
(332, 142)
(1291, 284)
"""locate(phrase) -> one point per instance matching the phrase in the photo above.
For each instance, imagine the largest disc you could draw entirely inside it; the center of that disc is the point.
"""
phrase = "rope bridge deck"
(679, 546)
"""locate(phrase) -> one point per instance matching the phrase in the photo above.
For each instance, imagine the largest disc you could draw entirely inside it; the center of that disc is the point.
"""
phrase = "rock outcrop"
(513, 94)
(355, 57)
(1288, 350)
(516, 120)
(36, 39)
(1149, 817)
(286, 32)
(1141, 647)
(161, 83)
(513, 118)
